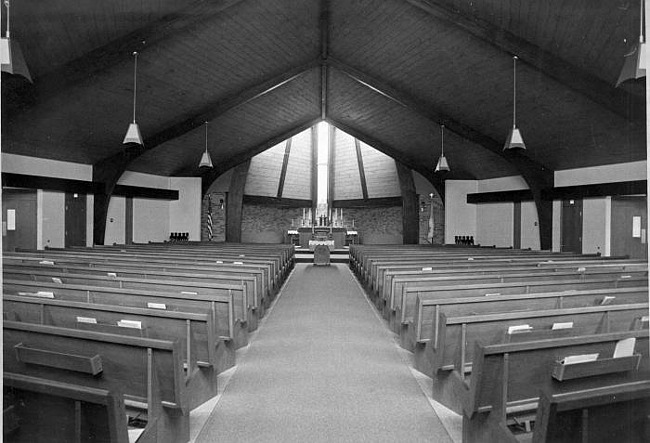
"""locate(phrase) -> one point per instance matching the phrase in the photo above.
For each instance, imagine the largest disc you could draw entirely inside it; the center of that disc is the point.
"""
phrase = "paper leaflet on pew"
(134, 324)
(573, 359)
(563, 325)
(625, 347)
(519, 329)
(44, 294)
(89, 320)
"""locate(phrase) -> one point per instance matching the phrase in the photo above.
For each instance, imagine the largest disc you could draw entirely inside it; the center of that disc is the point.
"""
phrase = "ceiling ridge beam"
(324, 24)
(84, 69)
(622, 103)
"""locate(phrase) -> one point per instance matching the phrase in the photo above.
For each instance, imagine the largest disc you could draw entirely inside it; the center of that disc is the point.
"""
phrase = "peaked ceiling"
(388, 72)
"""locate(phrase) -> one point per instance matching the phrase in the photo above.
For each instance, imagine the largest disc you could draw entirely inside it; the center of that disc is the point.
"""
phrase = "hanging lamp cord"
(514, 92)
(641, 18)
(442, 139)
(7, 5)
(135, 81)
(206, 136)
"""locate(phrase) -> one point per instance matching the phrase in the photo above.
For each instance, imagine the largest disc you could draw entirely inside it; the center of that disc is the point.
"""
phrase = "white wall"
(460, 218)
(150, 216)
(185, 213)
(115, 221)
(596, 215)
(50, 231)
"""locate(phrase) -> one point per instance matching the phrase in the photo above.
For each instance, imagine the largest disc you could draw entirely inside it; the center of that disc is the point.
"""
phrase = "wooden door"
(628, 239)
(18, 219)
(571, 232)
(75, 219)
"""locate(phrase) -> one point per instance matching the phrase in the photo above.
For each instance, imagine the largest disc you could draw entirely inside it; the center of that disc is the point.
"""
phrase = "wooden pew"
(195, 333)
(507, 378)
(39, 410)
(507, 277)
(610, 413)
(453, 359)
(425, 334)
(251, 298)
(232, 332)
(243, 311)
(163, 263)
(147, 372)
(254, 296)
(402, 320)
(392, 278)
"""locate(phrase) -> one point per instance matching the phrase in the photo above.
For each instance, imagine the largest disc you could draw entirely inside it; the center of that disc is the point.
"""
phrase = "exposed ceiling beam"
(209, 112)
(285, 163)
(324, 53)
(209, 177)
(84, 69)
(619, 101)
(362, 171)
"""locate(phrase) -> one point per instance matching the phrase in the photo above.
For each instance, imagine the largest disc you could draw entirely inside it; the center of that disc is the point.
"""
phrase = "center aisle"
(323, 367)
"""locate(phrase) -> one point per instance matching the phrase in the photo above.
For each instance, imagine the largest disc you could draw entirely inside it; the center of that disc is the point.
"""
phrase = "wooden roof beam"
(96, 62)
(619, 101)
(324, 53)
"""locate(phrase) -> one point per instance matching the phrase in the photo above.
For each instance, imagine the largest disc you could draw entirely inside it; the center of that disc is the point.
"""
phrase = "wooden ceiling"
(388, 72)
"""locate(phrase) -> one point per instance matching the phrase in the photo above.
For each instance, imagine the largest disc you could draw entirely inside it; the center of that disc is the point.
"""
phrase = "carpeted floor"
(323, 367)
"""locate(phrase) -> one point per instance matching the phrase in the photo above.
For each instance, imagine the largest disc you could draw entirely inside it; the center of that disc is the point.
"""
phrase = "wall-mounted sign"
(11, 219)
(636, 226)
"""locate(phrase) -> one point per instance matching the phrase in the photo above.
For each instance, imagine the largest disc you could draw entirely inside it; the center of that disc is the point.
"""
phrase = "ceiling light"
(206, 161)
(636, 61)
(11, 57)
(133, 133)
(442, 165)
(514, 141)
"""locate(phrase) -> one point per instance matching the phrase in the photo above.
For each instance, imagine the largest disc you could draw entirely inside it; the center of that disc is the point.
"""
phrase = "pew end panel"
(61, 412)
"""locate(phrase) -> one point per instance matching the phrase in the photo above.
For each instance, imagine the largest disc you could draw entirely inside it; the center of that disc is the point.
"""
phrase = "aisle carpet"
(323, 367)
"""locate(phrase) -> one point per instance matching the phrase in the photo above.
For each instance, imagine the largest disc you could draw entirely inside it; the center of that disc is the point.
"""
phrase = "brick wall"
(267, 224)
(376, 225)
(424, 201)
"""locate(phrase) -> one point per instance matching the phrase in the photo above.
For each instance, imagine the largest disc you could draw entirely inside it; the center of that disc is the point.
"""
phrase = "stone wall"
(376, 225)
(267, 224)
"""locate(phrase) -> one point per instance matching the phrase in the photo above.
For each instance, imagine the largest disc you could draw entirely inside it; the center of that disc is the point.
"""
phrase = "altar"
(333, 233)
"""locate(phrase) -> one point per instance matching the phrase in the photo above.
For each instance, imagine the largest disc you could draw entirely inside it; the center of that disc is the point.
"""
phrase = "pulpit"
(321, 255)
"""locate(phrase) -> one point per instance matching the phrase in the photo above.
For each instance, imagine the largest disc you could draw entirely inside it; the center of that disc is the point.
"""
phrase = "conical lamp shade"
(133, 135)
(515, 141)
(635, 64)
(206, 161)
(442, 165)
(12, 58)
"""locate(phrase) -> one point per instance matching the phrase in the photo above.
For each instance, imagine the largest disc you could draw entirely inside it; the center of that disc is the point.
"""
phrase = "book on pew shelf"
(112, 274)
(582, 269)
(156, 305)
(133, 324)
(427, 269)
(238, 263)
(88, 320)
(492, 294)
(625, 347)
(44, 294)
(46, 262)
(583, 358)
(57, 280)
(607, 300)
(563, 325)
(189, 293)
(645, 319)
(219, 262)
(519, 329)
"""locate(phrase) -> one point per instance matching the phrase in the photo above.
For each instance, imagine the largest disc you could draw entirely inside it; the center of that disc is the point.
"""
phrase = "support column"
(410, 219)
(235, 202)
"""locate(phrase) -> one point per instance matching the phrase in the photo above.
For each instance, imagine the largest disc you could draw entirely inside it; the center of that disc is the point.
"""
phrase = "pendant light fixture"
(133, 133)
(442, 165)
(635, 62)
(515, 141)
(11, 56)
(206, 161)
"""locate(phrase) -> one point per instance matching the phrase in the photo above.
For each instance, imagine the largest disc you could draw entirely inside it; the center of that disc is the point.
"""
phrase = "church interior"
(325, 220)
